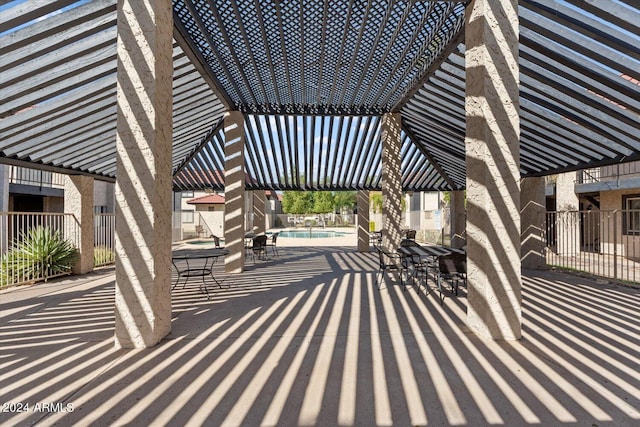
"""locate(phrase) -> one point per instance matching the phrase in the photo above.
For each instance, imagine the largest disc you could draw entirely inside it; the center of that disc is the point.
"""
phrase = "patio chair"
(389, 262)
(272, 243)
(411, 234)
(453, 269)
(259, 247)
(216, 240)
(418, 266)
(375, 238)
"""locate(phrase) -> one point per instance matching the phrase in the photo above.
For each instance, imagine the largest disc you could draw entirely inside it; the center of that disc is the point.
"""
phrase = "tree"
(375, 200)
(323, 202)
(345, 199)
(297, 202)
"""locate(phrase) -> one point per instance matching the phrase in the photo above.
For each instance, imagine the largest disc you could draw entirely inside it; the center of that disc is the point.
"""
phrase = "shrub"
(38, 254)
(102, 255)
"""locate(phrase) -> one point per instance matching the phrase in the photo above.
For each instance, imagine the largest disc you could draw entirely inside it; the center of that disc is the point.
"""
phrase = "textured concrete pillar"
(567, 225)
(259, 212)
(458, 219)
(143, 186)
(363, 221)
(4, 205)
(532, 218)
(4, 188)
(234, 191)
(493, 175)
(391, 182)
(78, 200)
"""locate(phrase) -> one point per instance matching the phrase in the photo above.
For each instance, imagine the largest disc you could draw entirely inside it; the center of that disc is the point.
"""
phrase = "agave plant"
(39, 253)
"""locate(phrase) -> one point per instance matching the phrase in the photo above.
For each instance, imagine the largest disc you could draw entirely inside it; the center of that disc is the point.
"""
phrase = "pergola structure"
(364, 95)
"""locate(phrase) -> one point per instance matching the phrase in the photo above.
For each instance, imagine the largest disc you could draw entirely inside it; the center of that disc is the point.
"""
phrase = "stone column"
(532, 217)
(493, 175)
(458, 219)
(391, 182)
(78, 200)
(234, 191)
(259, 212)
(143, 186)
(567, 226)
(4, 188)
(4, 206)
(363, 221)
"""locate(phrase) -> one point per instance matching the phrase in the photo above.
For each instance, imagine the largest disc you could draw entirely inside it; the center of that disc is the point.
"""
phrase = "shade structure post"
(234, 205)
(532, 218)
(363, 221)
(78, 200)
(493, 169)
(143, 186)
(259, 213)
(391, 181)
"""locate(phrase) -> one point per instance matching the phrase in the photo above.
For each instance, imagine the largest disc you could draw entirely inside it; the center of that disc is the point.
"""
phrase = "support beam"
(363, 221)
(143, 187)
(234, 191)
(532, 214)
(493, 169)
(4, 188)
(4, 203)
(259, 226)
(458, 219)
(568, 227)
(78, 200)
(391, 181)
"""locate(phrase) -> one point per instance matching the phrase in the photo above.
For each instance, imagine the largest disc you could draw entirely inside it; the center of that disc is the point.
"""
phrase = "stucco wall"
(612, 225)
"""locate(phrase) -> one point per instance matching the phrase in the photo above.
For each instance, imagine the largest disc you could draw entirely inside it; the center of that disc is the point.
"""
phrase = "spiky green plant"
(38, 254)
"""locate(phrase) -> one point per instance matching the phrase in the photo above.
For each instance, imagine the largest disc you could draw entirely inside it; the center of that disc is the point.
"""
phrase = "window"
(631, 214)
(187, 217)
(186, 194)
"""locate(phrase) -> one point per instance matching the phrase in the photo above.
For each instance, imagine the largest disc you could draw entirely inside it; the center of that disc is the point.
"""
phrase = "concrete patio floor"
(308, 339)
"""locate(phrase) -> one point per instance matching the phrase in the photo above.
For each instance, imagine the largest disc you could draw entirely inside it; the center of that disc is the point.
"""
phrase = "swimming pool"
(312, 234)
(202, 242)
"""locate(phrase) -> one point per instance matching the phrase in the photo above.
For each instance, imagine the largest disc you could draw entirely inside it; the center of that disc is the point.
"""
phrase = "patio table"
(196, 263)
(433, 252)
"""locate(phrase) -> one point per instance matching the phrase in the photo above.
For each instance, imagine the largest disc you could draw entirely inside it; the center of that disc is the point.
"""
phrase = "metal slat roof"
(58, 86)
(313, 79)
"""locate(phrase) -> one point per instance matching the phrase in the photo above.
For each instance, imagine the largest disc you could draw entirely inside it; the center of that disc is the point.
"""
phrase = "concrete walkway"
(308, 339)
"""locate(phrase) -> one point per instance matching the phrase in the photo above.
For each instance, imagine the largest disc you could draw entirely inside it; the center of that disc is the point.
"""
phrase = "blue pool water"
(203, 242)
(313, 234)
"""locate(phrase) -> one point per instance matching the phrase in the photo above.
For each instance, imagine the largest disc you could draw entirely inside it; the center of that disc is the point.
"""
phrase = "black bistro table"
(432, 253)
(196, 263)
(428, 251)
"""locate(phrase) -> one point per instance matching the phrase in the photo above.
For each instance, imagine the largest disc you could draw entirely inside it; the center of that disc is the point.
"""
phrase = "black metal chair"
(390, 262)
(259, 247)
(216, 240)
(375, 238)
(453, 269)
(411, 234)
(272, 244)
(418, 266)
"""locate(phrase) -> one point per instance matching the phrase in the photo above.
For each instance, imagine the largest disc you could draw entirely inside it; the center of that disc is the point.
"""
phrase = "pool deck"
(308, 339)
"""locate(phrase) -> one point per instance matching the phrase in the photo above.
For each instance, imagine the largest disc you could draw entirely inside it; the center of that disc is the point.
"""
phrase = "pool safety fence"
(104, 239)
